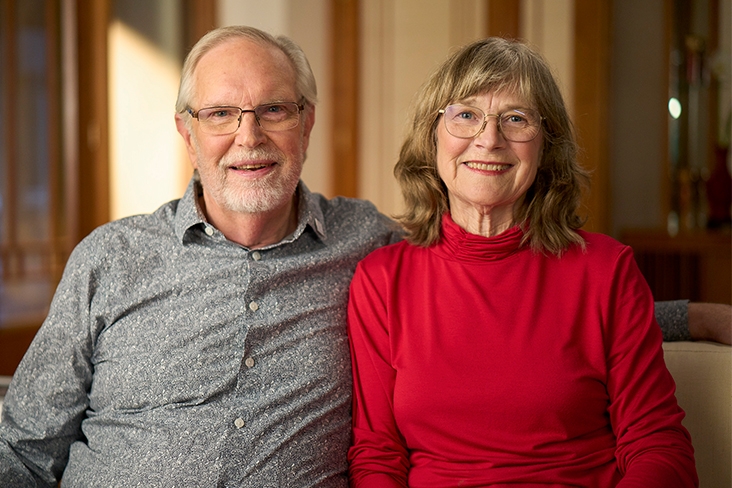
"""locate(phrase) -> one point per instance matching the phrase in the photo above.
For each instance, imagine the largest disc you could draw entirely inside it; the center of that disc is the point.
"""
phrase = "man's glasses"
(466, 122)
(272, 117)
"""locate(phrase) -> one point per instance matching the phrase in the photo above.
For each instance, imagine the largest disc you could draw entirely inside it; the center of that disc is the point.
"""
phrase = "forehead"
(244, 70)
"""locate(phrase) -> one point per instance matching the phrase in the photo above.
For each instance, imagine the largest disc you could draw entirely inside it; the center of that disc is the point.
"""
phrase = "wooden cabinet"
(693, 265)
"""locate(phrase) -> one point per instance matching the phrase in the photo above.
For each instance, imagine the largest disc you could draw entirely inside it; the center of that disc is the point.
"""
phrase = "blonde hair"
(305, 80)
(549, 212)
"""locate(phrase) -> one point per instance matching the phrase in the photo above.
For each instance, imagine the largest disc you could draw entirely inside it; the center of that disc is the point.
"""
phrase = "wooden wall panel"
(591, 101)
(92, 17)
(200, 17)
(345, 86)
(8, 140)
(504, 18)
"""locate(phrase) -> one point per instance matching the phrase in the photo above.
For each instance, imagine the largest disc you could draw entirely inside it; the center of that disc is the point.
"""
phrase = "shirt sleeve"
(378, 456)
(48, 395)
(673, 318)
(653, 448)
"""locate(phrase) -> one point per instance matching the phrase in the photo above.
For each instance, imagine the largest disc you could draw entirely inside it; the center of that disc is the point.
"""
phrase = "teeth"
(251, 168)
(486, 167)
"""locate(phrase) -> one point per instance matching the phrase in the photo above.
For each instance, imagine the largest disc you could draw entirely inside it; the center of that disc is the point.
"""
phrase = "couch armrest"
(703, 375)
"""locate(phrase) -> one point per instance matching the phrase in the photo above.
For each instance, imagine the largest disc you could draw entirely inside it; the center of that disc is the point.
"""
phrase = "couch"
(703, 375)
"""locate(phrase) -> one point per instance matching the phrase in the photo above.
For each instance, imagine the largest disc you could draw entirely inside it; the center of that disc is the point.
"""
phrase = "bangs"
(475, 73)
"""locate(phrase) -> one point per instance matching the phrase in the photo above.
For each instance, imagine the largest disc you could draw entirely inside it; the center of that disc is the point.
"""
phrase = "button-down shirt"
(174, 357)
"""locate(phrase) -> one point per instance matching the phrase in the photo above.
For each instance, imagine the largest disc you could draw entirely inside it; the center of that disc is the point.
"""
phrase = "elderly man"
(205, 344)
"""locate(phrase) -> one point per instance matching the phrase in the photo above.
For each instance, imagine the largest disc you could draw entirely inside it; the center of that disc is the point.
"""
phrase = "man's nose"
(249, 133)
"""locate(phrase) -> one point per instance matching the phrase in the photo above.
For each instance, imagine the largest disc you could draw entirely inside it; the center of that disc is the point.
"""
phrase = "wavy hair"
(549, 212)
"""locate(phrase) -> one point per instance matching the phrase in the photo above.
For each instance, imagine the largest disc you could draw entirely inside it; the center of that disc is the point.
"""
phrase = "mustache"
(240, 155)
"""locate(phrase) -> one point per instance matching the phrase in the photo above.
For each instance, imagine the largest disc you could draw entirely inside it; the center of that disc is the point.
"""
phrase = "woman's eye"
(467, 115)
(514, 118)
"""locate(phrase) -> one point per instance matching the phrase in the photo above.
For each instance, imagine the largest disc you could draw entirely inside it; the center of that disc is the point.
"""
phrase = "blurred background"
(88, 87)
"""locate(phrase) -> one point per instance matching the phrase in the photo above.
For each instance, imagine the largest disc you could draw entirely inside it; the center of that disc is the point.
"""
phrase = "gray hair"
(305, 80)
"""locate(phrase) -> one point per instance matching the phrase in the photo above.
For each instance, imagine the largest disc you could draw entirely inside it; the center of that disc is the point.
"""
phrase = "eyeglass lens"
(464, 121)
(271, 117)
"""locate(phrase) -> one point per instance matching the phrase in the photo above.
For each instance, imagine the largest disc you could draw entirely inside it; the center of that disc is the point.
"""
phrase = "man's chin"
(257, 201)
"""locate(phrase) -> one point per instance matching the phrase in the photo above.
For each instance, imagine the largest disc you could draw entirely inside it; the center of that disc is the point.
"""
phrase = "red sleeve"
(378, 456)
(653, 448)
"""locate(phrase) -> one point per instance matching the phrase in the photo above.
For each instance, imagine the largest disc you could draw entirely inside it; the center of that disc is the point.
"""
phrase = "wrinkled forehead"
(243, 63)
(246, 54)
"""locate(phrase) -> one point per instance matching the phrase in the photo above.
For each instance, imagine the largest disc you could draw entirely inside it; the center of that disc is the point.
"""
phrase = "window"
(33, 227)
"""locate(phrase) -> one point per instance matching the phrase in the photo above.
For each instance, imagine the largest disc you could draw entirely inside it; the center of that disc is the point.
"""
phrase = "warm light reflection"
(148, 165)
(674, 108)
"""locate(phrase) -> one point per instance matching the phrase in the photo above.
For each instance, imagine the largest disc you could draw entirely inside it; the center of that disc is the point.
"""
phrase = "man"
(204, 344)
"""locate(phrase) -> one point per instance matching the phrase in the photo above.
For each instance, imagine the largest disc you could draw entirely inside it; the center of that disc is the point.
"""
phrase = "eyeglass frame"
(498, 122)
(300, 107)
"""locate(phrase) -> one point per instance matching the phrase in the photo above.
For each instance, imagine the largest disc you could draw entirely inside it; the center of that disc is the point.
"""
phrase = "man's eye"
(279, 109)
(218, 115)
(275, 112)
(221, 113)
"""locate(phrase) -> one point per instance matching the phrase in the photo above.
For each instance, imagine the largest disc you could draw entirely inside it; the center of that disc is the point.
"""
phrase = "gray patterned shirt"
(673, 318)
(173, 357)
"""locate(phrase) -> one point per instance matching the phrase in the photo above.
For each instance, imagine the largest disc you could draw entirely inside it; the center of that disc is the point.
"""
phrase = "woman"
(501, 345)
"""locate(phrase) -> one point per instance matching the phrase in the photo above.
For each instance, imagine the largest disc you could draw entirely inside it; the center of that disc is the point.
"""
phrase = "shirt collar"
(460, 244)
(190, 215)
(309, 213)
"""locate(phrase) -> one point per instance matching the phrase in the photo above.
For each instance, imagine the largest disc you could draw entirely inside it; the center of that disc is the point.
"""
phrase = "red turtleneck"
(480, 363)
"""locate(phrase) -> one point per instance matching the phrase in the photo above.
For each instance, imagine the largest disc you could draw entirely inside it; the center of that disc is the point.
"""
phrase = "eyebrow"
(214, 105)
(514, 106)
(268, 102)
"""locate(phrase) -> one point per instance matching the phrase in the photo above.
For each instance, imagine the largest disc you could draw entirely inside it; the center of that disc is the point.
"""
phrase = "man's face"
(251, 170)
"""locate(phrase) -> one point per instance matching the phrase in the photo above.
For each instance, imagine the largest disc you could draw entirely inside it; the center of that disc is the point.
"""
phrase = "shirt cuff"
(673, 318)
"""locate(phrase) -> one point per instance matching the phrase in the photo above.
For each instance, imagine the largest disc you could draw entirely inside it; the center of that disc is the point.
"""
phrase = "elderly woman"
(501, 345)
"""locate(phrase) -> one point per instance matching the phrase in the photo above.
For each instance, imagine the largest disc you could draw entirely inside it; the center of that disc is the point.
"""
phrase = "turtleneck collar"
(457, 243)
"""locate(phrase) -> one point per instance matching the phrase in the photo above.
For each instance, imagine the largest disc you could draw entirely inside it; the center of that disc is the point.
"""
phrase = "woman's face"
(487, 176)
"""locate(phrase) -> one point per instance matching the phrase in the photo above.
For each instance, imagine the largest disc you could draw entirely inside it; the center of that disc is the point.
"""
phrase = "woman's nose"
(491, 134)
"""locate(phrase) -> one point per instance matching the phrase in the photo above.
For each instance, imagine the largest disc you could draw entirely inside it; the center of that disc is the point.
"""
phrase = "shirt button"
(209, 230)
(239, 423)
(249, 362)
(253, 306)
(256, 255)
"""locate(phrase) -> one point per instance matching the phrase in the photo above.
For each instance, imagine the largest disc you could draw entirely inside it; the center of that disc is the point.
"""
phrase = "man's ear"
(185, 133)
(308, 124)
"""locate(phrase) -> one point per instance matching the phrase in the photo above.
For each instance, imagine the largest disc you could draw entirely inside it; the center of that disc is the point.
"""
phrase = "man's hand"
(710, 322)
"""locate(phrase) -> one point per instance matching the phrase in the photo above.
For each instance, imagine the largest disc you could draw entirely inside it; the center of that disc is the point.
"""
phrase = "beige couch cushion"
(703, 375)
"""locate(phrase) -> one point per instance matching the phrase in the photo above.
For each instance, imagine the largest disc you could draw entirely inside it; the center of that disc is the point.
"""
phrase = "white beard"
(262, 195)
